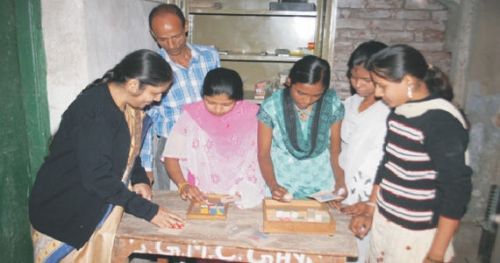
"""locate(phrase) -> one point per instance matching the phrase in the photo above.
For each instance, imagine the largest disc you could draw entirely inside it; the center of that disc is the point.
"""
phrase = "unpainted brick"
(422, 26)
(371, 13)
(437, 56)
(351, 4)
(343, 50)
(423, 4)
(419, 36)
(343, 89)
(440, 61)
(413, 14)
(429, 46)
(395, 36)
(341, 66)
(343, 44)
(384, 4)
(433, 35)
(355, 34)
(343, 77)
(442, 65)
(425, 25)
(352, 23)
(440, 15)
(386, 24)
(344, 85)
(334, 77)
(344, 13)
(341, 58)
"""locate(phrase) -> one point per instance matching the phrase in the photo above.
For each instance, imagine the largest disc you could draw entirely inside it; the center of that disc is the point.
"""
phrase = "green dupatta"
(302, 146)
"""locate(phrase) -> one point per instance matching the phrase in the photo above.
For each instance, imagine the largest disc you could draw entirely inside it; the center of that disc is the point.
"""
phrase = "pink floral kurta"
(218, 154)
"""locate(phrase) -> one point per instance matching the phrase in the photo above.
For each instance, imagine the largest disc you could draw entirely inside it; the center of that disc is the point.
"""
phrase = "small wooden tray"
(218, 211)
(297, 216)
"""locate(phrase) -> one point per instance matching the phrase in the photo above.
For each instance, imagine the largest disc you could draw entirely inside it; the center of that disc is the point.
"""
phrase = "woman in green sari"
(298, 134)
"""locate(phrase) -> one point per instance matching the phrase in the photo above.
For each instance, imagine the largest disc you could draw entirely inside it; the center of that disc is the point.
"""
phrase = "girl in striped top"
(423, 184)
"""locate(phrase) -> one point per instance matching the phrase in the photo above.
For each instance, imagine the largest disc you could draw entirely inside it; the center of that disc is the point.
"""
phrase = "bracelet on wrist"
(275, 187)
(370, 203)
(428, 258)
(181, 187)
(372, 206)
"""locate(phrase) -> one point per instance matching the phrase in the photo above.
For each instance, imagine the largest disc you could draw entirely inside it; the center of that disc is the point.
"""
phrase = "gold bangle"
(371, 210)
(370, 203)
(433, 260)
(181, 187)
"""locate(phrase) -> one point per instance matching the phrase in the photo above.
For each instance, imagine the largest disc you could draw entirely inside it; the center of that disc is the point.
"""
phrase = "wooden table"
(238, 238)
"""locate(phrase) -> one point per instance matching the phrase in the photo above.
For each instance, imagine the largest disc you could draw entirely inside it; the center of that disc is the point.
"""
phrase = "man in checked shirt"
(190, 63)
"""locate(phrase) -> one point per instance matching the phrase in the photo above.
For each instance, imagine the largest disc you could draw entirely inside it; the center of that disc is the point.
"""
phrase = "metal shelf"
(239, 12)
(248, 95)
(259, 58)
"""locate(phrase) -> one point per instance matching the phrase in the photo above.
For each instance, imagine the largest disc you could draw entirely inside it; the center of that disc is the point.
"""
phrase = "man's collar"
(195, 54)
(194, 51)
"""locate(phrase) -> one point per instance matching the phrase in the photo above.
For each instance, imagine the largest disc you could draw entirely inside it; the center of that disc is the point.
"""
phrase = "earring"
(410, 91)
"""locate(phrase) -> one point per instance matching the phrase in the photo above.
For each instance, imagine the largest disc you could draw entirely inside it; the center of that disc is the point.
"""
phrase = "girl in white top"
(362, 133)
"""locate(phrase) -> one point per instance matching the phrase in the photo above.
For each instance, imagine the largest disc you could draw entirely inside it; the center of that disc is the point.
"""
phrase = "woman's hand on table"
(143, 190)
(360, 225)
(192, 193)
(341, 193)
(165, 218)
(358, 208)
(279, 193)
(361, 222)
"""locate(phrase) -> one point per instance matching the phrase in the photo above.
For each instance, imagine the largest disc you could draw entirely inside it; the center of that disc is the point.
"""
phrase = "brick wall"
(420, 23)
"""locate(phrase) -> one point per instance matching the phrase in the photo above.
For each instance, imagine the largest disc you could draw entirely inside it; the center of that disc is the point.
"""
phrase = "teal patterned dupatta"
(309, 145)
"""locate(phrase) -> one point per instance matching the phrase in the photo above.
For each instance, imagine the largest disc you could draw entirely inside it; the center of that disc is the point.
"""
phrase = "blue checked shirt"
(185, 89)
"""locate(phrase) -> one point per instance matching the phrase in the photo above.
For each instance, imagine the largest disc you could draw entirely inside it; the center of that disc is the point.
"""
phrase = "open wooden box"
(297, 216)
(214, 209)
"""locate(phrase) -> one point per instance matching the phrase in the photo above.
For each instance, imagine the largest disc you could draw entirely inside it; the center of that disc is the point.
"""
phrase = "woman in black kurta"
(96, 146)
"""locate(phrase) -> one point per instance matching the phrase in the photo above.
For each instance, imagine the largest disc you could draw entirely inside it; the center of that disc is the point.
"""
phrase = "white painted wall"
(83, 39)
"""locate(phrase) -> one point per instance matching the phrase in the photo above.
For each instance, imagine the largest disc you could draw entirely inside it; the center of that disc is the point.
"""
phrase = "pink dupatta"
(229, 131)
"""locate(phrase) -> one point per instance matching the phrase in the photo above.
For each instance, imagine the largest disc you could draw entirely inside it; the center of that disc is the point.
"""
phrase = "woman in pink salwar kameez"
(213, 146)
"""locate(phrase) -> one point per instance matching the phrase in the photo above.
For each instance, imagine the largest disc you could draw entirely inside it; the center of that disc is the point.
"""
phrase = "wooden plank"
(238, 238)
